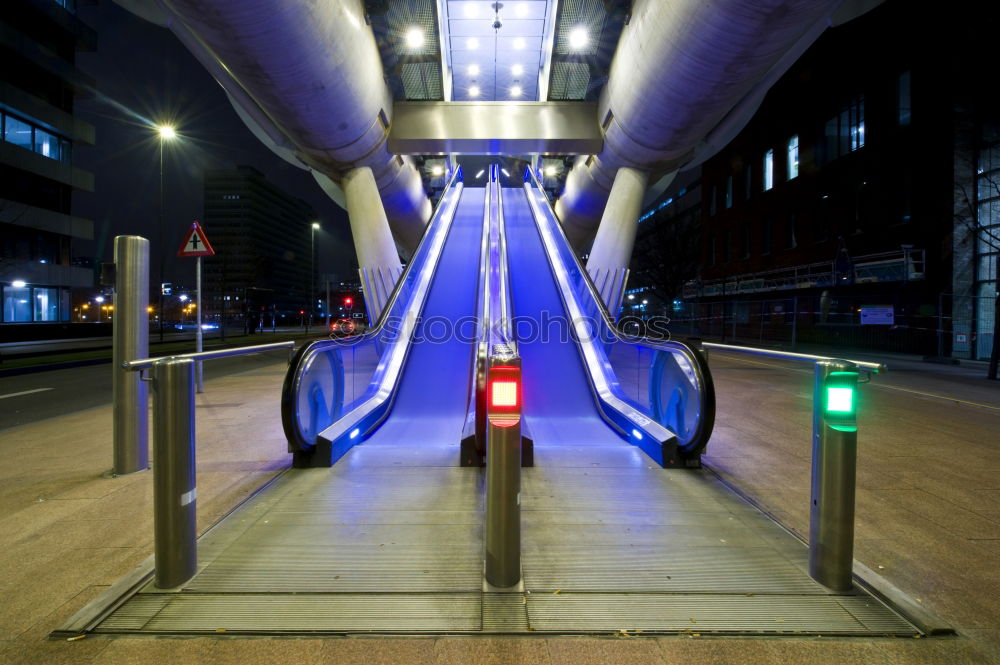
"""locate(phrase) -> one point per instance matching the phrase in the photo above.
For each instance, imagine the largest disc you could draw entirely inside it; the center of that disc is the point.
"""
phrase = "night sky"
(143, 74)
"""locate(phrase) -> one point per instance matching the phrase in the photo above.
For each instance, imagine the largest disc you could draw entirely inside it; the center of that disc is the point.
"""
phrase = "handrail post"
(174, 493)
(503, 472)
(130, 341)
(834, 462)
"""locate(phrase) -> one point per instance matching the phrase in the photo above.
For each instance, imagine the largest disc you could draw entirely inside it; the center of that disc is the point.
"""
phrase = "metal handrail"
(878, 368)
(146, 363)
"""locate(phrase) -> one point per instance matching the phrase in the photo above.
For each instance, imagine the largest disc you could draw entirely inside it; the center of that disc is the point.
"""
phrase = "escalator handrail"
(706, 388)
(289, 391)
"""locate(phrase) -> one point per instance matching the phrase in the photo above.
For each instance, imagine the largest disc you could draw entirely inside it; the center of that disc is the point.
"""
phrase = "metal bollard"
(834, 462)
(130, 341)
(174, 493)
(503, 473)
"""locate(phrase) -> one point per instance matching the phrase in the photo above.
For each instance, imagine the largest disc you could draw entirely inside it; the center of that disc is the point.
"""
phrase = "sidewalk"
(69, 532)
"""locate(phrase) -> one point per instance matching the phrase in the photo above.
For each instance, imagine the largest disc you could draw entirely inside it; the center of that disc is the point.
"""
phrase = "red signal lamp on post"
(504, 395)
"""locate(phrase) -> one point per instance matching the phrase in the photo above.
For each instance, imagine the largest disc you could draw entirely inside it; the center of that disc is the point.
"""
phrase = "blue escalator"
(559, 405)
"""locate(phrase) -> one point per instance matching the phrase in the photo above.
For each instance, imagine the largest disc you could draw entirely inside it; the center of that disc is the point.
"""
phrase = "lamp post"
(165, 133)
(99, 300)
(312, 272)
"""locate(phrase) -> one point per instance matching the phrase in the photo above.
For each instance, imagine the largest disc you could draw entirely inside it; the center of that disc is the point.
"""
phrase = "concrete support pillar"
(616, 235)
(369, 225)
(612, 248)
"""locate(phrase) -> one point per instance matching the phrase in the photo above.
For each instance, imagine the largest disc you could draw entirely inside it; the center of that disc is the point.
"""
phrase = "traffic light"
(348, 302)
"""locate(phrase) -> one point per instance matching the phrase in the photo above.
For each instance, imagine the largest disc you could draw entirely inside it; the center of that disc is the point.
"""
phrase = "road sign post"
(196, 244)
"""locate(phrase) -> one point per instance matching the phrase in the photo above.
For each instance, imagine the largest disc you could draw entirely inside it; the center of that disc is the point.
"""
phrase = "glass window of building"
(768, 170)
(46, 304)
(729, 191)
(727, 248)
(16, 304)
(903, 95)
(765, 237)
(746, 241)
(747, 182)
(856, 118)
(713, 195)
(711, 249)
(791, 242)
(793, 157)
(17, 132)
(845, 132)
(46, 144)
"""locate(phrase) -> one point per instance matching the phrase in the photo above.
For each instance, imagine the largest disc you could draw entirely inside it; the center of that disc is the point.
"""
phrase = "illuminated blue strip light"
(663, 204)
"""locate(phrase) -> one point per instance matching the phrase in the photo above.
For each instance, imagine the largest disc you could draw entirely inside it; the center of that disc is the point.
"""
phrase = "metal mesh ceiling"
(580, 73)
(411, 73)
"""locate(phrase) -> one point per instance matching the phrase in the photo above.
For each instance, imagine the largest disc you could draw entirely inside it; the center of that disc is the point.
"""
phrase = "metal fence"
(959, 326)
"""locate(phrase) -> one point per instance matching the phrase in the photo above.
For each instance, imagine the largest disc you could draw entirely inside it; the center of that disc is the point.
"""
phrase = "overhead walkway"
(384, 533)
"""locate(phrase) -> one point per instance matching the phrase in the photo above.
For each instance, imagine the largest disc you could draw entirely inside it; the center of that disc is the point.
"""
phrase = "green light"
(840, 400)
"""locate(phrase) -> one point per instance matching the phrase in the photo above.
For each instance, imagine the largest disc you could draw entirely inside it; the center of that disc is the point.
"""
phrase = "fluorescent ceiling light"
(472, 43)
(517, 70)
(473, 70)
(519, 43)
(474, 91)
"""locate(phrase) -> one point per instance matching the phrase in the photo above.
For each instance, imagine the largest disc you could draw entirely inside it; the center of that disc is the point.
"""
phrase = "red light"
(302, 311)
(504, 395)
(348, 302)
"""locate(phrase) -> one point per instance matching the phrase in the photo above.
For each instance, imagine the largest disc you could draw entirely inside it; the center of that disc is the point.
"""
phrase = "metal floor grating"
(388, 541)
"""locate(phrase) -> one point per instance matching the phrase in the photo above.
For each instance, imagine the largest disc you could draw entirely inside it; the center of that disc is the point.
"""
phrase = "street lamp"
(99, 300)
(312, 271)
(165, 133)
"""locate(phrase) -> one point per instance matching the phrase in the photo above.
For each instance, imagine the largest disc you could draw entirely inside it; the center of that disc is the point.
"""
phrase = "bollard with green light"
(834, 462)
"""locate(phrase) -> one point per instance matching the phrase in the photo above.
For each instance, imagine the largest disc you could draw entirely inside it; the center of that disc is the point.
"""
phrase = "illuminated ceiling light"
(414, 37)
(550, 171)
(473, 70)
(166, 132)
(471, 10)
(517, 70)
(437, 170)
(472, 43)
(505, 172)
(474, 91)
(18, 283)
(519, 43)
(515, 91)
(521, 9)
(578, 38)
(480, 174)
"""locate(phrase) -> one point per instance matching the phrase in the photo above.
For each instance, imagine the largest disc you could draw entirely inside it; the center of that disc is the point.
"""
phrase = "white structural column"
(612, 249)
(377, 255)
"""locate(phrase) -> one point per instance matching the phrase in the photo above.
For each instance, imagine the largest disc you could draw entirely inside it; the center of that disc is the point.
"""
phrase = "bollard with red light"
(503, 470)
(504, 397)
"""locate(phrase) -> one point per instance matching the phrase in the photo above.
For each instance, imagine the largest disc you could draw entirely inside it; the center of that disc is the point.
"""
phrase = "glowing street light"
(165, 133)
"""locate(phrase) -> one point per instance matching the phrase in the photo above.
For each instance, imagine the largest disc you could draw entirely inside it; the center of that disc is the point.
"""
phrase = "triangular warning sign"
(195, 243)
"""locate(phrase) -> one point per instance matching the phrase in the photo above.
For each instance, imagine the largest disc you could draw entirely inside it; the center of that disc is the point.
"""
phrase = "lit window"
(768, 170)
(904, 99)
(845, 132)
(793, 157)
(17, 132)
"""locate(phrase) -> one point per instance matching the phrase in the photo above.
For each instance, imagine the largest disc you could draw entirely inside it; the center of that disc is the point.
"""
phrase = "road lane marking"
(26, 392)
(873, 384)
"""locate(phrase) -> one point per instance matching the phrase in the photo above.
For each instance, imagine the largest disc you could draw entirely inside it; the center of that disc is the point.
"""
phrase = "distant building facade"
(855, 207)
(39, 82)
(262, 237)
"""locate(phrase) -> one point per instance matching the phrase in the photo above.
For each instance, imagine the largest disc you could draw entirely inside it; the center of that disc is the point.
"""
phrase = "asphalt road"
(28, 398)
